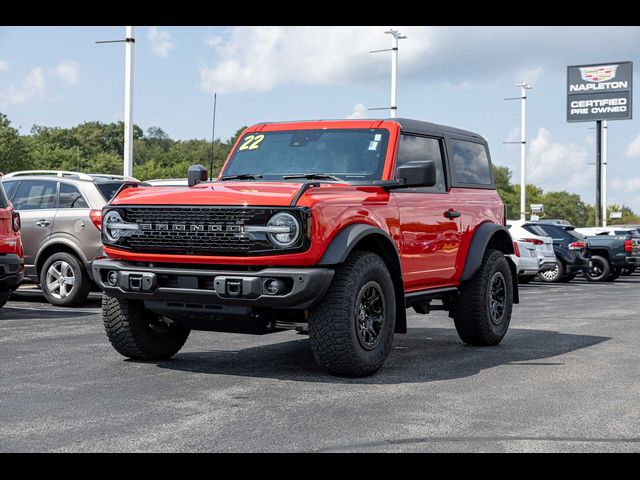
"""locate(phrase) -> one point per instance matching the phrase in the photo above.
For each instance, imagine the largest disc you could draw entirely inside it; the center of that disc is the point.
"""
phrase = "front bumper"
(11, 271)
(301, 287)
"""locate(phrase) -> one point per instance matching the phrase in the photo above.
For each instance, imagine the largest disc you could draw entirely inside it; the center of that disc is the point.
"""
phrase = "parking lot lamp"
(524, 86)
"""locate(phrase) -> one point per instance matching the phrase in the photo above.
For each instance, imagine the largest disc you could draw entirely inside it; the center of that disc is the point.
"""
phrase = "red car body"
(11, 253)
(433, 251)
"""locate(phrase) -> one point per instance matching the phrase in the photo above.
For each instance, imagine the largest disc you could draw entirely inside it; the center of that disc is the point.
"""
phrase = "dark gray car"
(61, 214)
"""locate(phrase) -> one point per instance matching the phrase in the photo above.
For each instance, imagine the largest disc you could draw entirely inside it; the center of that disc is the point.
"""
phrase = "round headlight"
(288, 230)
(112, 217)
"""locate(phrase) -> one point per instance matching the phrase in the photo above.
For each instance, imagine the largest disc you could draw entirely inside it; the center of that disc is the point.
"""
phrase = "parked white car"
(167, 182)
(543, 246)
(526, 259)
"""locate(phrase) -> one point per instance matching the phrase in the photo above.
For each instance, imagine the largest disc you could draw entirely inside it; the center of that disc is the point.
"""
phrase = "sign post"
(600, 92)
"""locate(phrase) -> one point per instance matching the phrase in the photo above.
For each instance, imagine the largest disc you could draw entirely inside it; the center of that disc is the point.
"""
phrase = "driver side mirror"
(418, 174)
(196, 174)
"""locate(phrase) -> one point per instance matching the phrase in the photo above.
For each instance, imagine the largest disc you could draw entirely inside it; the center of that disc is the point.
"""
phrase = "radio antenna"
(213, 132)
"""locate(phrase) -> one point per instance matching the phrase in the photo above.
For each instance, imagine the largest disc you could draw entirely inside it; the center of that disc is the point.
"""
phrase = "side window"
(413, 148)
(35, 195)
(8, 187)
(471, 163)
(70, 197)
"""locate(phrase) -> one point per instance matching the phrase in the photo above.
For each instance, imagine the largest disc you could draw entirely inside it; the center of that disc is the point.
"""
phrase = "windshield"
(347, 154)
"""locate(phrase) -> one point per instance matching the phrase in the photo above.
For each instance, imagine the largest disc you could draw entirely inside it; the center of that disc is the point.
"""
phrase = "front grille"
(229, 240)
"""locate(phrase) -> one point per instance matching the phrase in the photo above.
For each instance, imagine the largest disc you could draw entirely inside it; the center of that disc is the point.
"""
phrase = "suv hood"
(228, 192)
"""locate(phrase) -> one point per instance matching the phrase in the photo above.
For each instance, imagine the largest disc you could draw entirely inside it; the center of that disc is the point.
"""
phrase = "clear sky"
(457, 76)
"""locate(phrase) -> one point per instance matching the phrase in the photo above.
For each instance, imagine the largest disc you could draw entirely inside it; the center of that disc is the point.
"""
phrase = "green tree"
(13, 151)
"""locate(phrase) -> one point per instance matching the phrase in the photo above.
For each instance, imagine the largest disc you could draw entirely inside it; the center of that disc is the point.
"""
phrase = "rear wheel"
(64, 281)
(482, 310)
(553, 275)
(351, 329)
(599, 269)
(615, 273)
(4, 296)
(138, 333)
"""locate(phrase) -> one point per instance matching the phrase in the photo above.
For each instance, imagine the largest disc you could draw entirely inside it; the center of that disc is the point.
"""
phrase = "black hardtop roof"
(407, 125)
(419, 126)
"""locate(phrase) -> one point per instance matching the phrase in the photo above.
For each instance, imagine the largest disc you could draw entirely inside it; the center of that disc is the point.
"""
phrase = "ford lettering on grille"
(198, 230)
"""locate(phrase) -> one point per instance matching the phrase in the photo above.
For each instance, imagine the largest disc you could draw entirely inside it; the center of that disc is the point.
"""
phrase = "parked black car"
(572, 251)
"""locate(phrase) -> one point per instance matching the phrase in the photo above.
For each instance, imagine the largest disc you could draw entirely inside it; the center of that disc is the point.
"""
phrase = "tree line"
(96, 147)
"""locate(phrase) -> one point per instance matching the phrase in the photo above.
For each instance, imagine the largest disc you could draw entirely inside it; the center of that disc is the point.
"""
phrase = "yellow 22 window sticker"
(251, 142)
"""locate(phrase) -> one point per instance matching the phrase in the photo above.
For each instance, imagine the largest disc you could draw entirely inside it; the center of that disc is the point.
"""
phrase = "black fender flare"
(496, 236)
(363, 234)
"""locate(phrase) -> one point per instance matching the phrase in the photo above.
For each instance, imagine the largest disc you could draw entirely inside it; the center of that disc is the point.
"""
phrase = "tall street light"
(394, 71)
(128, 99)
(524, 86)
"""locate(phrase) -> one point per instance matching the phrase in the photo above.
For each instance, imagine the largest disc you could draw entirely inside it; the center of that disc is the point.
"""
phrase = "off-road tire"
(471, 307)
(130, 329)
(335, 342)
(4, 297)
(557, 278)
(526, 278)
(606, 269)
(81, 287)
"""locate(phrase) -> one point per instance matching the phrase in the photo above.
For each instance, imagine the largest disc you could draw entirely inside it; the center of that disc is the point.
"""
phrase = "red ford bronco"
(333, 228)
(11, 254)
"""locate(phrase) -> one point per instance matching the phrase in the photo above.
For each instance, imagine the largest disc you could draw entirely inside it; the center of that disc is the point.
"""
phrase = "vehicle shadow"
(40, 312)
(423, 355)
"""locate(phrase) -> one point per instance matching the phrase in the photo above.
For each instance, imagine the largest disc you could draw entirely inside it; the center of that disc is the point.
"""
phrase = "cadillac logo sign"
(598, 74)
(599, 92)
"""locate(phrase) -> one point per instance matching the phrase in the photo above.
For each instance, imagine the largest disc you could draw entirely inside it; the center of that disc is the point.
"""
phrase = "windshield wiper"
(242, 176)
(312, 176)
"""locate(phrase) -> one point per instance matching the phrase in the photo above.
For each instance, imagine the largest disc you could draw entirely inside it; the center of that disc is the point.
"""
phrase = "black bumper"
(578, 265)
(10, 271)
(301, 287)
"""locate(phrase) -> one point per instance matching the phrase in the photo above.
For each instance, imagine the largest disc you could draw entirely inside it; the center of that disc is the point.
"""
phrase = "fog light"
(112, 278)
(272, 286)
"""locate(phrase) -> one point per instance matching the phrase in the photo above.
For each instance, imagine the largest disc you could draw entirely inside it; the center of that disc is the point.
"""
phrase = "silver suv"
(61, 214)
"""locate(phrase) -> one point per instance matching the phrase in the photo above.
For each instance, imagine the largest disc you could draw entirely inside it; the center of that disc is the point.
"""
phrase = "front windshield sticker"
(373, 145)
(377, 137)
(251, 142)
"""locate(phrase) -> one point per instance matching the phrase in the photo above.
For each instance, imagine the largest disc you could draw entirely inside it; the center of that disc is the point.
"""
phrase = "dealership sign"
(599, 92)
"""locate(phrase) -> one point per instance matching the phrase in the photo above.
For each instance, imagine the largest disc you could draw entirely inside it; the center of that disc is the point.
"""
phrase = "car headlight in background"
(283, 230)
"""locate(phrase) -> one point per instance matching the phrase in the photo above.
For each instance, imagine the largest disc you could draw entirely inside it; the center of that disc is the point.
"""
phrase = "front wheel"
(138, 333)
(482, 310)
(599, 269)
(351, 329)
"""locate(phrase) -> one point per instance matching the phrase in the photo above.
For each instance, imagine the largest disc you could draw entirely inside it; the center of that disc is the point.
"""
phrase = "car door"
(36, 201)
(73, 221)
(429, 239)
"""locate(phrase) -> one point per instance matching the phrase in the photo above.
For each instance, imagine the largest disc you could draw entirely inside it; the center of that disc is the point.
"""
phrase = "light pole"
(128, 99)
(604, 173)
(524, 86)
(394, 70)
(128, 103)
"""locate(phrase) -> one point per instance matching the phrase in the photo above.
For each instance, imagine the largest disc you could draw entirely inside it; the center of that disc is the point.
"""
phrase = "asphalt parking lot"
(565, 378)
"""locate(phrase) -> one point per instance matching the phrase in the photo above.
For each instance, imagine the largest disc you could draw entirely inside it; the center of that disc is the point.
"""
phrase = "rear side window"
(4, 201)
(9, 187)
(35, 195)
(413, 148)
(70, 197)
(471, 163)
(108, 190)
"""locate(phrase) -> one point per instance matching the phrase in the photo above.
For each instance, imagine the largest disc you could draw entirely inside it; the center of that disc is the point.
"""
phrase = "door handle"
(452, 214)
(43, 223)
